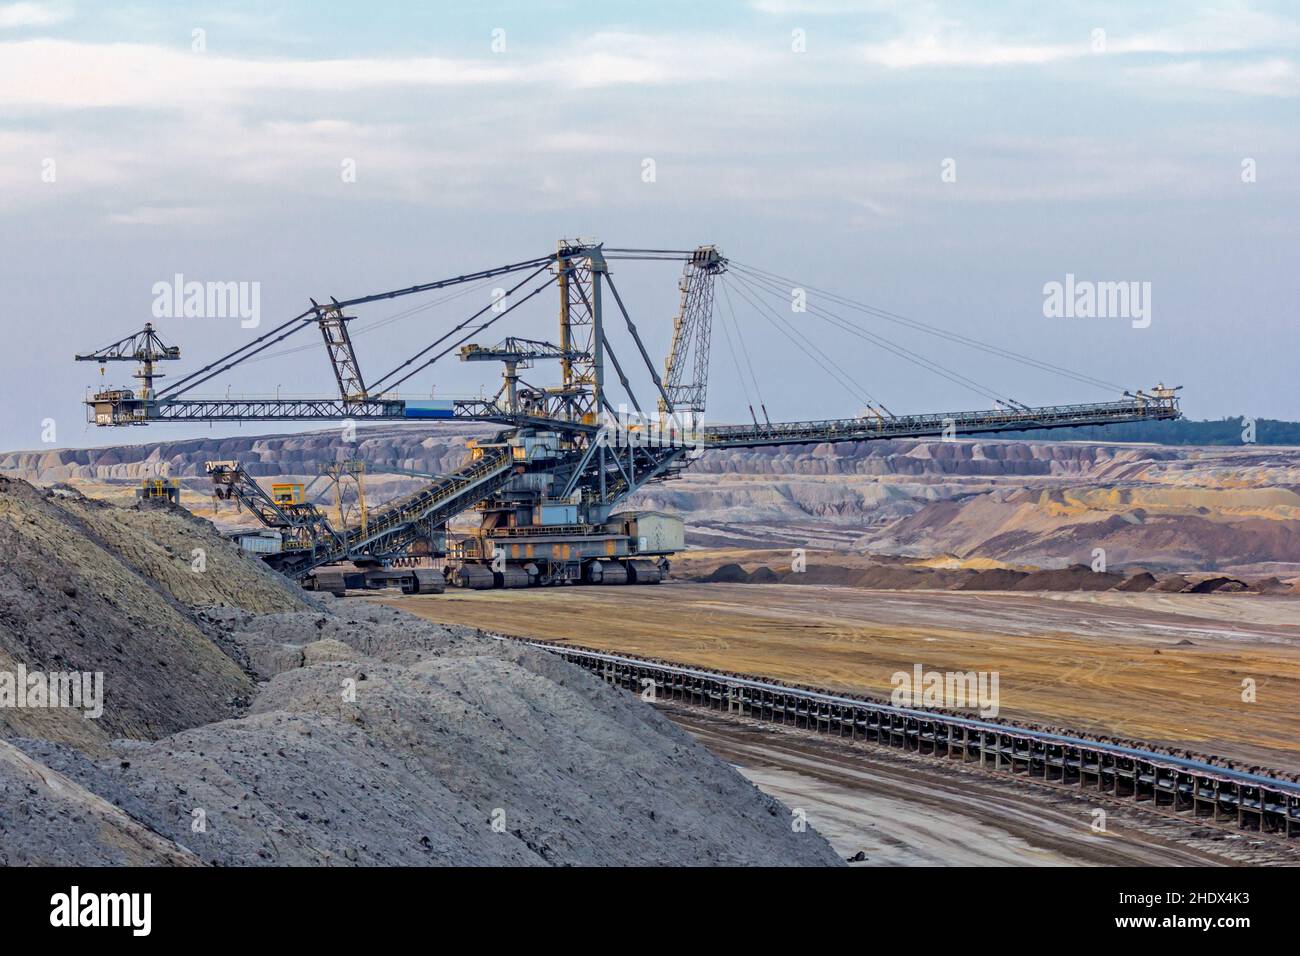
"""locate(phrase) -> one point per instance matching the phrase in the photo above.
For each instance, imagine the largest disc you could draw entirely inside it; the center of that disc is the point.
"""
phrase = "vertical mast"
(580, 267)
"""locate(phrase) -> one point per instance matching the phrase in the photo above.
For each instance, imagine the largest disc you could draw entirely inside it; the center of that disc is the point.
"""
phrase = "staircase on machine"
(392, 528)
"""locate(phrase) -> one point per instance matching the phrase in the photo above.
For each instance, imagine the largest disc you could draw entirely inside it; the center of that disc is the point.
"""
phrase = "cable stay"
(735, 324)
(907, 354)
(373, 325)
(303, 319)
(957, 337)
(744, 387)
(379, 385)
(492, 273)
(902, 352)
(827, 364)
(175, 390)
(465, 338)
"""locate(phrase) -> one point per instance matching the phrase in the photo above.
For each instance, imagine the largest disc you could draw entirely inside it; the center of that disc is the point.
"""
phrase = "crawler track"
(1192, 789)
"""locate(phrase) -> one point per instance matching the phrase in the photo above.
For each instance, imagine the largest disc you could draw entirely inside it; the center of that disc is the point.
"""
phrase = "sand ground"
(1157, 667)
(903, 810)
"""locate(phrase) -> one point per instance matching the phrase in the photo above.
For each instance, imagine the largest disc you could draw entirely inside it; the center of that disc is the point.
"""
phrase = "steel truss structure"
(565, 458)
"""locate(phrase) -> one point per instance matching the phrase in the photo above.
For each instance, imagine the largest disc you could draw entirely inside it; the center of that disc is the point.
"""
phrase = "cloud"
(162, 216)
(614, 58)
(937, 50)
(149, 135)
(463, 133)
(1272, 77)
(928, 39)
(15, 15)
(1232, 27)
(65, 74)
(821, 8)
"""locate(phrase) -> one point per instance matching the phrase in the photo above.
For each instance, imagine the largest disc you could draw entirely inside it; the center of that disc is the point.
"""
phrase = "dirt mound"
(312, 731)
(992, 579)
(1218, 585)
(821, 573)
(898, 578)
(896, 574)
(63, 824)
(1141, 581)
(88, 587)
(415, 744)
(1077, 577)
(1270, 585)
(727, 574)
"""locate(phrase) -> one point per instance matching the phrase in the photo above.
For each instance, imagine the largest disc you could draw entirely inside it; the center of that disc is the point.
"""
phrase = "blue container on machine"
(431, 408)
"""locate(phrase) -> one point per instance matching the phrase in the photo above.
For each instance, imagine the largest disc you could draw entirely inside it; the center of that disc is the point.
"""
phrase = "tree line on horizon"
(1224, 431)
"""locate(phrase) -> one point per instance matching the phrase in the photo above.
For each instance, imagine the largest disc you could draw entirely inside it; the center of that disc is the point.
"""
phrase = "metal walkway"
(395, 526)
(958, 424)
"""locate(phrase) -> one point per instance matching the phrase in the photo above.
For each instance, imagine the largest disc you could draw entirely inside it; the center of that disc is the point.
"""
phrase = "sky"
(946, 162)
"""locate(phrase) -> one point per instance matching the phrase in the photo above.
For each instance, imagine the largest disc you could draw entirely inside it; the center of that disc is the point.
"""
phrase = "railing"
(1198, 791)
(419, 506)
(275, 409)
(543, 530)
(956, 423)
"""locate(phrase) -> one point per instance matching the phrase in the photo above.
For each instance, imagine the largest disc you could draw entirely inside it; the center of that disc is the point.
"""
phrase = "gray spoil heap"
(312, 731)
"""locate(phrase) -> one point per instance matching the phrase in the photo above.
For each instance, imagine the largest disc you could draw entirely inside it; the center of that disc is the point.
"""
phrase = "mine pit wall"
(1189, 789)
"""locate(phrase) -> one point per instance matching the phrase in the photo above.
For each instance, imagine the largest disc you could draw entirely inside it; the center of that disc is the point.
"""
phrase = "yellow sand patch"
(951, 562)
(1278, 504)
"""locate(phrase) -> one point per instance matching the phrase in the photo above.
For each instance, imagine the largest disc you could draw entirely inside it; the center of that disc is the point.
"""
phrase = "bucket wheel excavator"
(550, 485)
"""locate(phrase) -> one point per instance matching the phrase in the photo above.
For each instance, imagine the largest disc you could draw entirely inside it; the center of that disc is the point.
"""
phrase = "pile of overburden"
(899, 577)
(245, 722)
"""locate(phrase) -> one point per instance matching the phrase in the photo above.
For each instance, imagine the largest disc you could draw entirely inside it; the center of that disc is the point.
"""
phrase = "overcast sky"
(944, 161)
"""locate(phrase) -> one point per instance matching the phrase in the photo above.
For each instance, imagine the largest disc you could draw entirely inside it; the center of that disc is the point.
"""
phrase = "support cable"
(861, 392)
(902, 352)
(469, 335)
(543, 261)
(848, 385)
(363, 328)
(174, 390)
(739, 375)
(735, 323)
(917, 324)
(378, 387)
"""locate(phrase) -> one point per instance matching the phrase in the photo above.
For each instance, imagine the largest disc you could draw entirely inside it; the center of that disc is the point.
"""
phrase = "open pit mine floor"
(900, 809)
(1165, 669)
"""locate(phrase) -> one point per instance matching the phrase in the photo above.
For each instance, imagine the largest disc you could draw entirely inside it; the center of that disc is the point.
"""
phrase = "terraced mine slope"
(1034, 502)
